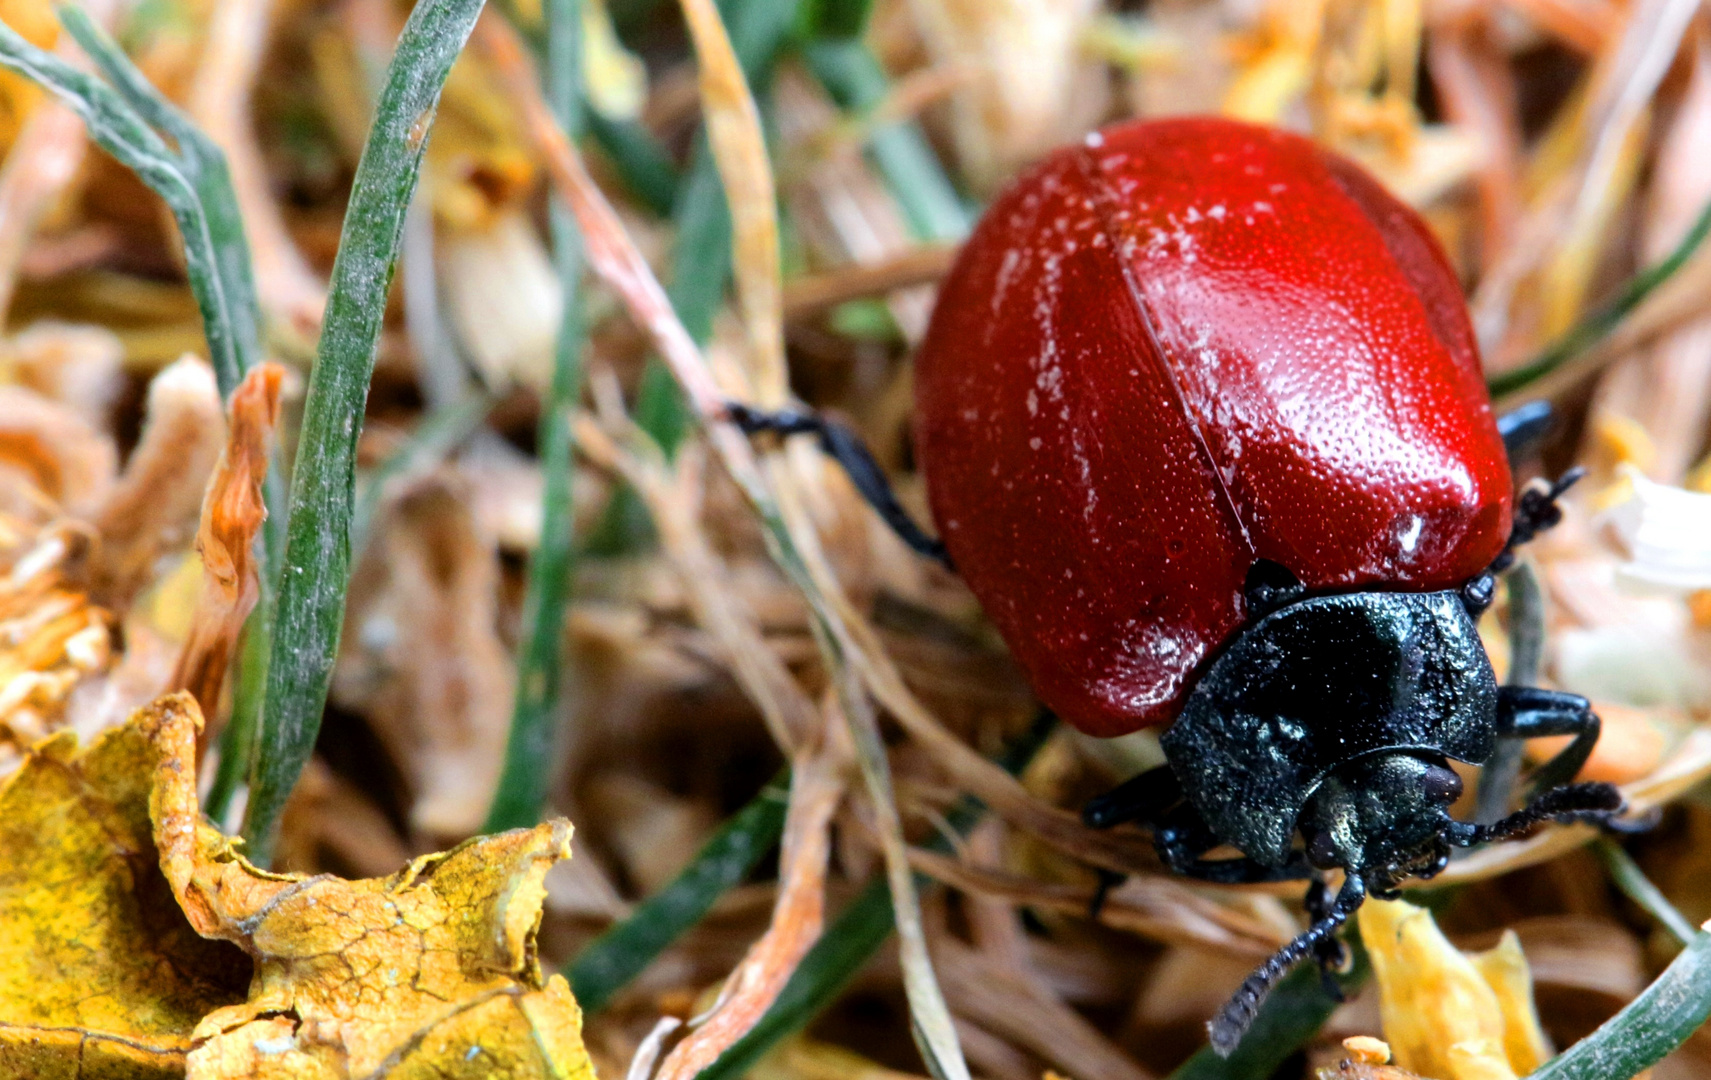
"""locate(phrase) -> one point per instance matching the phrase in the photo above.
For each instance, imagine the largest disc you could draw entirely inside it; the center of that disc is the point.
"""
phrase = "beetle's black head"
(1383, 816)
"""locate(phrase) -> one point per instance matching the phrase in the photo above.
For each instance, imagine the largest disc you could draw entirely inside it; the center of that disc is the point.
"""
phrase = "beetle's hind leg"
(1524, 427)
(847, 449)
(1536, 510)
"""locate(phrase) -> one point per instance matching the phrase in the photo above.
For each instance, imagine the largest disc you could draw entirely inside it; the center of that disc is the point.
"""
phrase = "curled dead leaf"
(429, 972)
(153, 507)
(100, 974)
(51, 636)
(232, 515)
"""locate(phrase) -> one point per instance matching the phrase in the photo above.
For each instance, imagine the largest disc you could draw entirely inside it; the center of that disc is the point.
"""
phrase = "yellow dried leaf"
(1447, 1014)
(617, 78)
(1504, 969)
(429, 972)
(100, 974)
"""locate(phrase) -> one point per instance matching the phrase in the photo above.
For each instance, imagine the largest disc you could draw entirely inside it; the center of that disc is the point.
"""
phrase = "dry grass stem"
(815, 789)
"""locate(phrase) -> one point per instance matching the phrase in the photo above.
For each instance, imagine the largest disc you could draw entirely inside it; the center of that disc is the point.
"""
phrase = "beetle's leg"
(1182, 836)
(1524, 427)
(1237, 1015)
(1329, 951)
(1528, 712)
(846, 448)
(1142, 797)
(1535, 511)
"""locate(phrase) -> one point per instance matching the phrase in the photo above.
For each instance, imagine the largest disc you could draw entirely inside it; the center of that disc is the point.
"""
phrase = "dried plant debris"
(52, 636)
(1447, 1013)
(101, 970)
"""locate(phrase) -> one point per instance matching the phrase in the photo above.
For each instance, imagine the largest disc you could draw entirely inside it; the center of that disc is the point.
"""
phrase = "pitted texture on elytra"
(1178, 348)
(1319, 684)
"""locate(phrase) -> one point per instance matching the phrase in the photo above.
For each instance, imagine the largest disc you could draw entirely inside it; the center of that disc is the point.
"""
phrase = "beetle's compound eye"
(1442, 785)
(1322, 851)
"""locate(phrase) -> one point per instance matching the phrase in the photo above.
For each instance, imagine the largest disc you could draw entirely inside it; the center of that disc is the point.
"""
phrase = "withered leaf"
(100, 973)
(429, 972)
(233, 510)
(1448, 1014)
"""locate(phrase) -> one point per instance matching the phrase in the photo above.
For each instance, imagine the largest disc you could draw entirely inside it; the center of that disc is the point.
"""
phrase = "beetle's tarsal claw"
(1535, 511)
(1621, 826)
(1108, 880)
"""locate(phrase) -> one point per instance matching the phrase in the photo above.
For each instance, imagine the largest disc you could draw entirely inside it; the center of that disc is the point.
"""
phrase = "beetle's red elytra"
(1178, 348)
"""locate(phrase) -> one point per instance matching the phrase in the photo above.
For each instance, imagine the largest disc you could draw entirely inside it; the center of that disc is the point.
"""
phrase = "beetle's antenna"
(1596, 802)
(1237, 1015)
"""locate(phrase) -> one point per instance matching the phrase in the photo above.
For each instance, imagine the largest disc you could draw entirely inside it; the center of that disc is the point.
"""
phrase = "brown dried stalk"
(220, 104)
(919, 266)
(1147, 905)
(670, 495)
(816, 786)
(232, 515)
(155, 505)
(1025, 1012)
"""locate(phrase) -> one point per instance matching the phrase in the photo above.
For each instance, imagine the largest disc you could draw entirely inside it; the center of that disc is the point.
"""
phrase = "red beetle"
(1204, 428)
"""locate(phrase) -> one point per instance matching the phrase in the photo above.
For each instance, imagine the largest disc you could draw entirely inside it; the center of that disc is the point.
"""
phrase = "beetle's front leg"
(1528, 712)
(846, 448)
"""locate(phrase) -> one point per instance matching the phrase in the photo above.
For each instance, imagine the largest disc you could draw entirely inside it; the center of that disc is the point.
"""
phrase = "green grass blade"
(1597, 325)
(115, 126)
(1647, 1028)
(1291, 1016)
(196, 185)
(522, 790)
(1526, 628)
(1634, 883)
(204, 165)
(854, 79)
(838, 19)
(316, 573)
(620, 954)
(641, 161)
